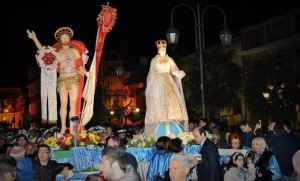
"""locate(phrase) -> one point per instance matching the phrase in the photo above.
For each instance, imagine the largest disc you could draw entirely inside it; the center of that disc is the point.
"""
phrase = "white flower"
(91, 146)
(185, 137)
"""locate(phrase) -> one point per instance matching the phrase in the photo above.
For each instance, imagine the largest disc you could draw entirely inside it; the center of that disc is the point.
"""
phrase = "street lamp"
(119, 69)
(173, 35)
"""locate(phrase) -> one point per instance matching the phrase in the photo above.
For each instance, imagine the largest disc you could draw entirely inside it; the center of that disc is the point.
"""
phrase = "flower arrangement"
(140, 141)
(187, 138)
(86, 139)
(66, 141)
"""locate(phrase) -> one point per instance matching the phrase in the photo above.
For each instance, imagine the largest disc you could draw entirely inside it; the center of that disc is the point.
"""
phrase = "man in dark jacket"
(249, 134)
(283, 147)
(46, 169)
(209, 169)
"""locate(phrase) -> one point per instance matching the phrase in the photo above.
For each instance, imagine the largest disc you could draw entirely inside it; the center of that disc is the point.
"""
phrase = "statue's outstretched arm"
(32, 35)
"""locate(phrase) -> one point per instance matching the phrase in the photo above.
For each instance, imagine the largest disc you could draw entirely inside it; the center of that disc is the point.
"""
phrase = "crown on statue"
(161, 43)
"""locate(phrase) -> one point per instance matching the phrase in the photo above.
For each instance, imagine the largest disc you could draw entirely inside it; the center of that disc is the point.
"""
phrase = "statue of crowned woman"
(166, 113)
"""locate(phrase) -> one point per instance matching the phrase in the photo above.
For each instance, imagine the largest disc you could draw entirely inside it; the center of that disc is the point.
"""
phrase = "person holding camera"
(249, 133)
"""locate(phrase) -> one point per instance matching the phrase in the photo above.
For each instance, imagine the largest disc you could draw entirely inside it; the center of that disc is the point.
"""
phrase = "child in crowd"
(237, 171)
(24, 164)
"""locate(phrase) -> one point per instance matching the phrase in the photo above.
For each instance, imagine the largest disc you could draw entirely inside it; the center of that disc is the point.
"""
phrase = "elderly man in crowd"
(179, 167)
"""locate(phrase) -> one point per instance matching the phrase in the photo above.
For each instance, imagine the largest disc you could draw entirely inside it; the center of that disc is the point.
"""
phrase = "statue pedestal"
(169, 129)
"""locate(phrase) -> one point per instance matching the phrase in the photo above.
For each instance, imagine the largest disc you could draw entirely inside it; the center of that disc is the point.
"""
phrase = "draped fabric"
(88, 96)
(48, 62)
(81, 158)
(156, 164)
(274, 168)
(166, 164)
(142, 154)
(164, 95)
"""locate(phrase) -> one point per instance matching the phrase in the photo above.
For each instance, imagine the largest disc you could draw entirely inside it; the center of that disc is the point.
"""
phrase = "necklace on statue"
(68, 59)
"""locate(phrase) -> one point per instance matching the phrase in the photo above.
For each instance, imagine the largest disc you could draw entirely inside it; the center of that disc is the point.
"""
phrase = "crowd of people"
(272, 154)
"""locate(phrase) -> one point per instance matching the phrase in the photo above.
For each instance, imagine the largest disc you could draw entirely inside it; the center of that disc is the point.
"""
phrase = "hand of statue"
(181, 74)
(90, 74)
(31, 34)
(55, 53)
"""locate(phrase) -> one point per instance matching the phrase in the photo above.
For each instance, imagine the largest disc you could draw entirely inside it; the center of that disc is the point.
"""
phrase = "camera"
(250, 154)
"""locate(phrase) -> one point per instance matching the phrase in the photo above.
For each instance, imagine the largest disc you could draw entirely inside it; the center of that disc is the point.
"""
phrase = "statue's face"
(65, 39)
(162, 51)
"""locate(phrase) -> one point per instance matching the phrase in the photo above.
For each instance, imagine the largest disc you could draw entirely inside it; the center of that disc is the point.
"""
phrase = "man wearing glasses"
(46, 169)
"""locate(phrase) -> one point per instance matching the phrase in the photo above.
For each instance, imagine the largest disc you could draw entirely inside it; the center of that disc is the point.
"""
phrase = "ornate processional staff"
(106, 21)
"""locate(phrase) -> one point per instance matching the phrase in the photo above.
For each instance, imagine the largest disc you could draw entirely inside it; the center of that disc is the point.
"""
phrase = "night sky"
(140, 23)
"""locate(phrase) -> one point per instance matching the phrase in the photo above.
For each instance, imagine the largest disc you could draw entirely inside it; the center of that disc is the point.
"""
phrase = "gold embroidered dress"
(164, 95)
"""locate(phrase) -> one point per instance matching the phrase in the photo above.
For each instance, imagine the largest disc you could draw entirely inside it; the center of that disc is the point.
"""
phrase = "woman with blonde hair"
(265, 162)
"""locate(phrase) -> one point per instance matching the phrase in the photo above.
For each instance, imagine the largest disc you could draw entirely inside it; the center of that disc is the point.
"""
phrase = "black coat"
(262, 167)
(283, 147)
(209, 169)
(49, 171)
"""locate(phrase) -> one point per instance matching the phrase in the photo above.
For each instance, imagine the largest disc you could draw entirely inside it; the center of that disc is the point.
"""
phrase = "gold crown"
(161, 43)
(63, 30)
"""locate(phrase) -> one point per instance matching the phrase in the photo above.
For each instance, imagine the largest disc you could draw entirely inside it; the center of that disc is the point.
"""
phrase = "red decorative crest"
(107, 18)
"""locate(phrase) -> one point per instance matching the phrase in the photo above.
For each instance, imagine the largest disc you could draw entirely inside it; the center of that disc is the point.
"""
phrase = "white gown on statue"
(164, 95)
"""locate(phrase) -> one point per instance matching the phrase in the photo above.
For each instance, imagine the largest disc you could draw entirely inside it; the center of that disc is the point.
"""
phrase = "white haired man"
(179, 167)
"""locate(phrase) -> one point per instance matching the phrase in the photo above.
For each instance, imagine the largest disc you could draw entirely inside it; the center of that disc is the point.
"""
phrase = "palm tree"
(270, 89)
(223, 82)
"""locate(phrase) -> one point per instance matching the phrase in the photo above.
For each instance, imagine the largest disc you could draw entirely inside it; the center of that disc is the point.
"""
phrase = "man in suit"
(209, 168)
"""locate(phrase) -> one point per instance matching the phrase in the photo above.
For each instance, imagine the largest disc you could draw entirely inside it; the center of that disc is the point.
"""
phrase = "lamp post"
(173, 35)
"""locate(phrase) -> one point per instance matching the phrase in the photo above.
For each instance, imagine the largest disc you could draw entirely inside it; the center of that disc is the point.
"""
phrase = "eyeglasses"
(176, 168)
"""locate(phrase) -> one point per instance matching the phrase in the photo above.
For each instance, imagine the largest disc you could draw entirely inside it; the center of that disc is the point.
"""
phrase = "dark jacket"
(49, 171)
(267, 168)
(248, 137)
(24, 169)
(209, 169)
(283, 147)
